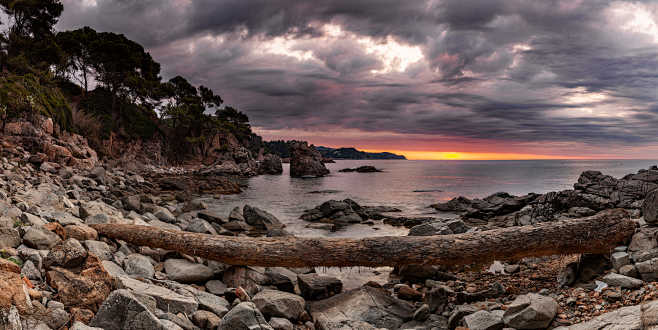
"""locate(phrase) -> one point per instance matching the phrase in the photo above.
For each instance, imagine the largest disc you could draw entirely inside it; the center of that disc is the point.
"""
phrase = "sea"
(410, 185)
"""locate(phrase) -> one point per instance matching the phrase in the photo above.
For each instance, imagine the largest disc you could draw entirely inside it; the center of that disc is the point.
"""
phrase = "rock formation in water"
(305, 161)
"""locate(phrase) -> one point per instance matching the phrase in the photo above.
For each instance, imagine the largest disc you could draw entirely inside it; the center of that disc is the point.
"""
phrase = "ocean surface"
(411, 186)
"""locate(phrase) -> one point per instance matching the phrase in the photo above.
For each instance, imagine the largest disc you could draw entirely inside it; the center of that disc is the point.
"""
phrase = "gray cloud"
(513, 70)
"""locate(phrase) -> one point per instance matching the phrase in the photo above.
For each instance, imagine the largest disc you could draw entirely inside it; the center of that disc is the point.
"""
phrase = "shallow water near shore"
(410, 186)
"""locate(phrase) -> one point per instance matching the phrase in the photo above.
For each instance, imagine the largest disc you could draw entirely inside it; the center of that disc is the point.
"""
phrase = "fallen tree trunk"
(596, 234)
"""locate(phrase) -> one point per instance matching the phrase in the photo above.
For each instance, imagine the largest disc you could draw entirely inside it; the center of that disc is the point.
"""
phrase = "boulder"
(306, 161)
(40, 238)
(278, 323)
(122, 310)
(166, 299)
(236, 215)
(316, 287)
(622, 281)
(99, 249)
(271, 164)
(87, 288)
(184, 271)
(210, 302)
(138, 265)
(650, 207)
(483, 320)
(205, 319)
(633, 317)
(273, 303)
(67, 254)
(9, 238)
(530, 311)
(14, 293)
(364, 307)
(244, 316)
(260, 219)
(211, 216)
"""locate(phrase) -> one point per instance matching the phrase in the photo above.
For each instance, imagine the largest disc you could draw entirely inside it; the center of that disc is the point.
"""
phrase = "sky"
(435, 79)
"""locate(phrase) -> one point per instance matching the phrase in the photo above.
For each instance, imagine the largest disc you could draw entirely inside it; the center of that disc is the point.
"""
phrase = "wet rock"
(260, 219)
(184, 271)
(306, 161)
(361, 169)
(244, 316)
(274, 303)
(211, 216)
(366, 306)
(530, 311)
(316, 287)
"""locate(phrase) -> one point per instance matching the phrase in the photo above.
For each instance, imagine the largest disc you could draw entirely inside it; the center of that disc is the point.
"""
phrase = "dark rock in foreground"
(345, 212)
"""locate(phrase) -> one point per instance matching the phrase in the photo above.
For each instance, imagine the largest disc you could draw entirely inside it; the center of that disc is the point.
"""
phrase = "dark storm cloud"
(504, 70)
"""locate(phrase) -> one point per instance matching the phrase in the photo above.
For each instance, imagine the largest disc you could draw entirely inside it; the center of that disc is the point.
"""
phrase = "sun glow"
(453, 155)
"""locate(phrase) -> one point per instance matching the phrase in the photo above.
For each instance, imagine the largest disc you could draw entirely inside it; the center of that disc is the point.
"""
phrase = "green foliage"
(18, 262)
(138, 121)
(23, 97)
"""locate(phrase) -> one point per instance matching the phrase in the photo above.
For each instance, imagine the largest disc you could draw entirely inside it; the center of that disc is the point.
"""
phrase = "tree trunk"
(597, 234)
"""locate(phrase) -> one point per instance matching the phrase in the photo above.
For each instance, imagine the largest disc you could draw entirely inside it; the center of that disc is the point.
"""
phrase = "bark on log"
(596, 234)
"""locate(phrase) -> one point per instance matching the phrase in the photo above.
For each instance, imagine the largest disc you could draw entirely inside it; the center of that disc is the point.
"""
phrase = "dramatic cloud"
(548, 77)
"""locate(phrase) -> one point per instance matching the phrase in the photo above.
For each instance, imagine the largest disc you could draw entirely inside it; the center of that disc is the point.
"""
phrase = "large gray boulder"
(165, 299)
(244, 316)
(260, 219)
(122, 310)
(360, 309)
(273, 303)
(184, 271)
(622, 281)
(306, 161)
(40, 238)
(530, 311)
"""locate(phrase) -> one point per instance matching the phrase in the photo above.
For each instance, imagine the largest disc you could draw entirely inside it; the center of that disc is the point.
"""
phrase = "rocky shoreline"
(58, 273)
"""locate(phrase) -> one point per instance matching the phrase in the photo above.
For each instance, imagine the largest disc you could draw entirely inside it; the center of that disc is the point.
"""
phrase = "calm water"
(411, 186)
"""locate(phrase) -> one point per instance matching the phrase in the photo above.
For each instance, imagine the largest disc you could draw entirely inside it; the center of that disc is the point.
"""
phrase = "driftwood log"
(596, 234)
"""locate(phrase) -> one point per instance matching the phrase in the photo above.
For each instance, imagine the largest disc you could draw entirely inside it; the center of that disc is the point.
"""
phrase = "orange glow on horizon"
(454, 155)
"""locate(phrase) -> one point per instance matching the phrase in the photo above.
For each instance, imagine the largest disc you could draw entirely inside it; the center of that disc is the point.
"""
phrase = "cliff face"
(48, 143)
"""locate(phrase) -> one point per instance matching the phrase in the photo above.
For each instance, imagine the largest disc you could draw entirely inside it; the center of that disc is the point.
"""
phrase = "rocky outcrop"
(361, 169)
(305, 161)
(345, 212)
